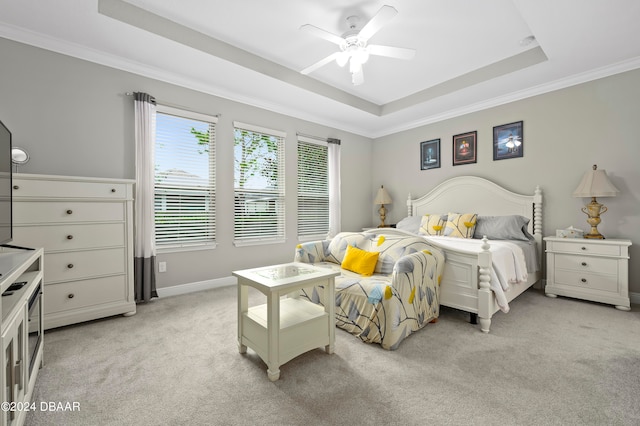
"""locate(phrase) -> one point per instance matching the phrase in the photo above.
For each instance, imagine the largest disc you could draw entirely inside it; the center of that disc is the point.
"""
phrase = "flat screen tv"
(6, 211)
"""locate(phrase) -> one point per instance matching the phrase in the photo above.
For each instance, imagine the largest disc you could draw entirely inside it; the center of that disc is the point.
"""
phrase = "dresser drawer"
(68, 189)
(83, 264)
(66, 212)
(70, 237)
(581, 264)
(82, 294)
(586, 248)
(585, 280)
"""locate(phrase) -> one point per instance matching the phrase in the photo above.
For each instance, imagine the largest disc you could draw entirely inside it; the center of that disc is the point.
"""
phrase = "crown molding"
(92, 55)
(562, 83)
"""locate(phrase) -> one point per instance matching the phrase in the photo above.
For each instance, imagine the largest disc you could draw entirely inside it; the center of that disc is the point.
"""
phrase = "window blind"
(259, 190)
(185, 192)
(313, 189)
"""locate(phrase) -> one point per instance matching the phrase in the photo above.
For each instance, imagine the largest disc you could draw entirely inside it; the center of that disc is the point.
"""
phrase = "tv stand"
(22, 331)
(11, 246)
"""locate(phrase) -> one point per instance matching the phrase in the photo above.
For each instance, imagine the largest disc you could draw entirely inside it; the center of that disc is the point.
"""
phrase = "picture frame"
(430, 154)
(465, 148)
(508, 141)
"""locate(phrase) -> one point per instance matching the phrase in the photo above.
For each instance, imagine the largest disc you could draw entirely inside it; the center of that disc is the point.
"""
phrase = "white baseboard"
(197, 286)
(229, 281)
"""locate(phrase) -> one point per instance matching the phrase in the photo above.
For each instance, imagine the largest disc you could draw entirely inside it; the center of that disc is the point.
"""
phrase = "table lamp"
(382, 198)
(595, 183)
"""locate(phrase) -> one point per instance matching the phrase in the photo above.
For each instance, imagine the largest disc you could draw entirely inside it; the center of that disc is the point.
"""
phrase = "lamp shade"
(382, 197)
(595, 183)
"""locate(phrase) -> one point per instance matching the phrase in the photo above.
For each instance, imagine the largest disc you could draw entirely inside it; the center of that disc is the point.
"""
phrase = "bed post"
(409, 206)
(537, 210)
(485, 295)
(537, 225)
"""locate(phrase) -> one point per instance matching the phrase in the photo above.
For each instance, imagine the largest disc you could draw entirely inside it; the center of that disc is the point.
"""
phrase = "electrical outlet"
(162, 266)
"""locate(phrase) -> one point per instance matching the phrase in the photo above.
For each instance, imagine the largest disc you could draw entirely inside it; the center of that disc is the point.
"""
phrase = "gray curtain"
(144, 248)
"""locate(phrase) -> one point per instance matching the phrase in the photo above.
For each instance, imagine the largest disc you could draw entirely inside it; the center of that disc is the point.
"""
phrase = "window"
(184, 179)
(258, 184)
(313, 189)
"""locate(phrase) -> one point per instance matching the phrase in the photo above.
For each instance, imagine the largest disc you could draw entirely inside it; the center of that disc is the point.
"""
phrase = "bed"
(468, 281)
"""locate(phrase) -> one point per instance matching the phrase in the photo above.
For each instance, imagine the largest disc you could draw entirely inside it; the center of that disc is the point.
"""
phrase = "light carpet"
(547, 362)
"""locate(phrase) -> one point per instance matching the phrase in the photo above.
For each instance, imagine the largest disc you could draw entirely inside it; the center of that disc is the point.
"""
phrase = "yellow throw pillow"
(432, 224)
(461, 225)
(360, 261)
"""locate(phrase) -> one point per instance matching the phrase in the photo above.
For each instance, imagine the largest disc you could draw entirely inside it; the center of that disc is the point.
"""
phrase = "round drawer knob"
(583, 248)
(584, 280)
(69, 211)
(70, 265)
(71, 295)
(113, 190)
(584, 263)
(16, 187)
(69, 237)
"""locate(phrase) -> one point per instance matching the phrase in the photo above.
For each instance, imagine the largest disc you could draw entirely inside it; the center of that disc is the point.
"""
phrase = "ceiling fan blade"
(384, 15)
(319, 32)
(392, 52)
(320, 63)
(357, 78)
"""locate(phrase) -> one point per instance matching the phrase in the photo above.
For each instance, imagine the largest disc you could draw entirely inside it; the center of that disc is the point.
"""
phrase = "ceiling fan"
(353, 44)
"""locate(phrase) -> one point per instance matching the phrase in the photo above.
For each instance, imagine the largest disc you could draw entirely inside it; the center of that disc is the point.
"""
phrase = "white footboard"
(466, 284)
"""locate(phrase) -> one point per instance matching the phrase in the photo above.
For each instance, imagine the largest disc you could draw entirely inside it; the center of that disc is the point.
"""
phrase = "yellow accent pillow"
(461, 225)
(432, 224)
(360, 261)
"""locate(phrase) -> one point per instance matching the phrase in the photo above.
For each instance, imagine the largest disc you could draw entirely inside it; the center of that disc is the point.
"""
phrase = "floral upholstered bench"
(388, 287)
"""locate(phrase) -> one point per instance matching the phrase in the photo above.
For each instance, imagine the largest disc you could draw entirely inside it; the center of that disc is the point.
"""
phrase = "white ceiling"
(468, 52)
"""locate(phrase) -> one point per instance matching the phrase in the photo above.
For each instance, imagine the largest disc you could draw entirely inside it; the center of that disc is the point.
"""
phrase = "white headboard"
(471, 194)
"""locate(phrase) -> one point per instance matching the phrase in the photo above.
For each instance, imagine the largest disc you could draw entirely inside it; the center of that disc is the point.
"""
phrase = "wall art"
(465, 148)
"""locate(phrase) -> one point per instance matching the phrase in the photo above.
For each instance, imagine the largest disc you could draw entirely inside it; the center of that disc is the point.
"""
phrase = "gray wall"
(565, 133)
(74, 119)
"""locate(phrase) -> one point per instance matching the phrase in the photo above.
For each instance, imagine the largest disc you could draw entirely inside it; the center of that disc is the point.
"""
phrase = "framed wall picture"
(430, 154)
(465, 148)
(508, 141)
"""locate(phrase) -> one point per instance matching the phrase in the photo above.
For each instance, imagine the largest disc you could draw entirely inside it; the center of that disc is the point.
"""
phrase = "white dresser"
(86, 229)
(596, 270)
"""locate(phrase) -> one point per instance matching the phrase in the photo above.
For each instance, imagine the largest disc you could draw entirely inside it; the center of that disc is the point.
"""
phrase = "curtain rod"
(328, 140)
(218, 115)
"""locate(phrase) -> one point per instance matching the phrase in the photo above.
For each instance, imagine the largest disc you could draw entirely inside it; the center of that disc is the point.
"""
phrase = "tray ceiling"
(470, 55)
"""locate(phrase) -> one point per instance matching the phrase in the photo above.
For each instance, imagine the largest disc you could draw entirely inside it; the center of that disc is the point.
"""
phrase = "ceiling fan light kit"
(353, 44)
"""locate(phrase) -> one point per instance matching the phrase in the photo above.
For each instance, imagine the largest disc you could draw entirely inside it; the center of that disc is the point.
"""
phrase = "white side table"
(596, 270)
(282, 329)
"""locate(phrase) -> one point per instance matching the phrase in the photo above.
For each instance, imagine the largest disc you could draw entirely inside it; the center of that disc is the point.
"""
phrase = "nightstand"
(596, 270)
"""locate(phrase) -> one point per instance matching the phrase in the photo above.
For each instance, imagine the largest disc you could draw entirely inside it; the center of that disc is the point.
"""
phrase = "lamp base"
(593, 210)
(596, 236)
(383, 215)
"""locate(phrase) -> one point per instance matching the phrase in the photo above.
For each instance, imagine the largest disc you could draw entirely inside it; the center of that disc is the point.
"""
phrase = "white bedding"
(508, 260)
